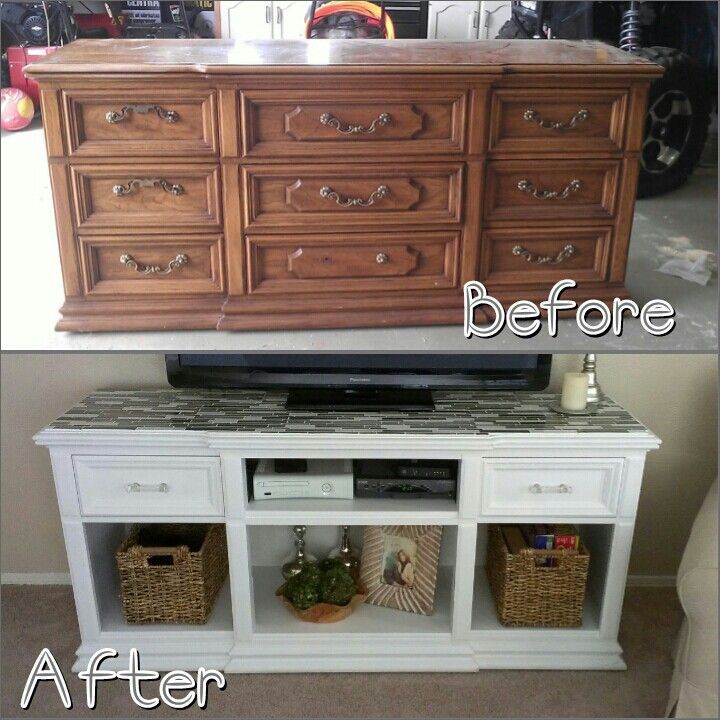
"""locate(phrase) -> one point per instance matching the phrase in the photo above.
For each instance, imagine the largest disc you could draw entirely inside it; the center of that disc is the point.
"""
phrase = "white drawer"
(540, 487)
(110, 485)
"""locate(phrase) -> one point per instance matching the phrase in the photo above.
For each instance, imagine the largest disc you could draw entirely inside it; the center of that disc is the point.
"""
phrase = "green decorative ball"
(303, 589)
(329, 564)
(331, 582)
(337, 585)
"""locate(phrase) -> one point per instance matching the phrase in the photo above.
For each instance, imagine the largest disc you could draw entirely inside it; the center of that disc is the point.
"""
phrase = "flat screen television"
(360, 381)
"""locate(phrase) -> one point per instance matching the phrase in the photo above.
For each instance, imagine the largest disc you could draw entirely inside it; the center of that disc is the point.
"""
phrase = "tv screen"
(347, 370)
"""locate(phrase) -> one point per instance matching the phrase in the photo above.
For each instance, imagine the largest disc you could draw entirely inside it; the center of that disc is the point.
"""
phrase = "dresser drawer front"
(126, 122)
(575, 119)
(347, 263)
(352, 122)
(153, 265)
(551, 190)
(147, 196)
(544, 255)
(146, 486)
(547, 487)
(352, 196)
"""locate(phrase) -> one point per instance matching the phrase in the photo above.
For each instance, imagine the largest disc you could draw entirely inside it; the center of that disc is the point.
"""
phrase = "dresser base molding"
(134, 314)
(343, 317)
(550, 661)
(138, 314)
(315, 654)
(158, 655)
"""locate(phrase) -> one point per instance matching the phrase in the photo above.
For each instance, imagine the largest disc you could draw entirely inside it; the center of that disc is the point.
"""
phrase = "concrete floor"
(32, 289)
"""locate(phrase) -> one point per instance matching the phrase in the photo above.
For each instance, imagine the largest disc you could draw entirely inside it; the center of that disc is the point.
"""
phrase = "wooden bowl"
(323, 612)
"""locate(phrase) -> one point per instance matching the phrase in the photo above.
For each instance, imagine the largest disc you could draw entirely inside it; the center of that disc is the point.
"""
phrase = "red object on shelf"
(18, 58)
(93, 21)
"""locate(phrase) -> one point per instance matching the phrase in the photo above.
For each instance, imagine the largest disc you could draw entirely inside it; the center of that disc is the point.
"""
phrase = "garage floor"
(32, 290)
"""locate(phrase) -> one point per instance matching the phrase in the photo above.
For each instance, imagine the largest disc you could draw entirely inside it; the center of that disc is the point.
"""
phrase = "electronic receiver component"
(321, 479)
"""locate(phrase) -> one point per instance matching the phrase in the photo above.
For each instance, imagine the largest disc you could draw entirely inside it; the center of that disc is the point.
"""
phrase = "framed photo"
(399, 565)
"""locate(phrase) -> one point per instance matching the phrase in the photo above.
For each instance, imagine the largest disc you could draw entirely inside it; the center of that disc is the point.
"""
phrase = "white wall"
(674, 395)
(36, 388)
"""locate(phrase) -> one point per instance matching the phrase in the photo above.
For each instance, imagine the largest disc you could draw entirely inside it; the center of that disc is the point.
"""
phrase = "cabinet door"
(246, 20)
(454, 20)
(493, 15)
(289, 19)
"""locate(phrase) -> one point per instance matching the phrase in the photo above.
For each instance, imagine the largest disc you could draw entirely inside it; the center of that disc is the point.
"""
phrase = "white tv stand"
(197, 443)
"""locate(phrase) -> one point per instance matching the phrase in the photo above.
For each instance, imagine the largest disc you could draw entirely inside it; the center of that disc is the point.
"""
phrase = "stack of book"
(540, 536)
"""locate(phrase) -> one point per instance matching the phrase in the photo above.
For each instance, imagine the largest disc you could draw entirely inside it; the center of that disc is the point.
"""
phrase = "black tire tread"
(683, 72)
(512, 30)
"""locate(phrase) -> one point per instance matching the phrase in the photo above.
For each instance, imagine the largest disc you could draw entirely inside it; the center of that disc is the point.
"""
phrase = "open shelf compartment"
(355, 510)
(597, 538)
(103, 540)
(270, 546)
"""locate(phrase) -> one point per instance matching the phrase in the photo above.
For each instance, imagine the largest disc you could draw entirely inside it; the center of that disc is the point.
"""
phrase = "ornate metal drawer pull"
(139, 487)
(567, 252)
(526, 186)
(130, 262)
(534, 116)
(382, 191)
(382, 258)
(562, 488)
(332, 121)
(115, 117)
(173, 189)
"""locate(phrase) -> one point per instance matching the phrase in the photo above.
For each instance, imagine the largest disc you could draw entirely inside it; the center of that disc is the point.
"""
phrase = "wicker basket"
(531, 595)
(172, 573)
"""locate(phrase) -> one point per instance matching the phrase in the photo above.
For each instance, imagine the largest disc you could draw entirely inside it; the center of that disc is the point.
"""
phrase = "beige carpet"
(33, 617)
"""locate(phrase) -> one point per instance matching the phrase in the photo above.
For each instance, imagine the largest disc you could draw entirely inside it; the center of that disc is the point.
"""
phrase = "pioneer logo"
(523, 316)
(359, 379)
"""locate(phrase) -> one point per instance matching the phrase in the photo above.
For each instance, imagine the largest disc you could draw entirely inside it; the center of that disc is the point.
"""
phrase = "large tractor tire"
(676, 124)
(515, 30)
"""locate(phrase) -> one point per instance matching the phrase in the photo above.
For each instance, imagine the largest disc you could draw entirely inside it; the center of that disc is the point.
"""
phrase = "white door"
(289, 19)
(454, 20)
(493, 15)
(246, 20)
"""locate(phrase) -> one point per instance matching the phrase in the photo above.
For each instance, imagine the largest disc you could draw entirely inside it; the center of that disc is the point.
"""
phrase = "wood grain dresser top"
(492, 57)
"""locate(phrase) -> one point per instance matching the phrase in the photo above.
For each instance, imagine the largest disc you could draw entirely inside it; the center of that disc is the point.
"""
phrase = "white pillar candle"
(574, 391)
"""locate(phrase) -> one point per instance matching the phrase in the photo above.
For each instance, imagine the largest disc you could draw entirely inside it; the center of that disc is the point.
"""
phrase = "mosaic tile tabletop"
(263, 411)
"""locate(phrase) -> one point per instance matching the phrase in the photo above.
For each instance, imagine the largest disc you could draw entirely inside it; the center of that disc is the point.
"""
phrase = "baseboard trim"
(651, 580)
(35, 578)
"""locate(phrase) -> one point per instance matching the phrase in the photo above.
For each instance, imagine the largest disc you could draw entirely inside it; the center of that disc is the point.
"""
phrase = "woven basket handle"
(533, 553)
(178, 553)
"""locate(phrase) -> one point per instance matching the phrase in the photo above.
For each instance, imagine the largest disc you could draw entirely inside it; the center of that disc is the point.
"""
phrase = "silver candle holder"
(345, 553)
(594, 392)
(294, 564)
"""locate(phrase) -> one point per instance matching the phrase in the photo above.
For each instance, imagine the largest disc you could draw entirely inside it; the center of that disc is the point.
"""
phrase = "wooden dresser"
(315, 184)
